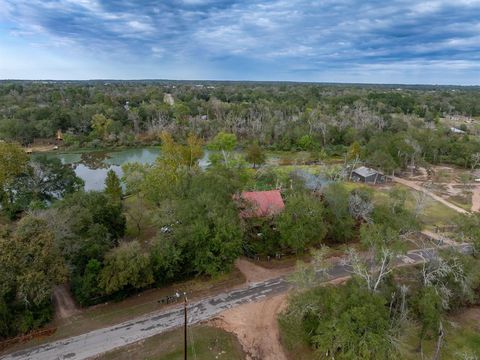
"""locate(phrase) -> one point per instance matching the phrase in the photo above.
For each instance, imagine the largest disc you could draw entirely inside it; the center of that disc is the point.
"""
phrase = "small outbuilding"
(261, 203)
(367, 175)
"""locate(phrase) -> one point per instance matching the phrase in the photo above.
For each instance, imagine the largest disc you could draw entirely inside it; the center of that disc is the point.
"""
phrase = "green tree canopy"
(225, 143)
(126, 266)
(101, 125)
(13, 164)
(113, 187)
(30, 266)
(302, 222)
(342, 224)
(255, 155)
(175, 161)
(207, 226)
(345, 322)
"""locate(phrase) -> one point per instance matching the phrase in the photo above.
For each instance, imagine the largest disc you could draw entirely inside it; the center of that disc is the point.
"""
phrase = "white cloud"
(140, 26)
(276, 37)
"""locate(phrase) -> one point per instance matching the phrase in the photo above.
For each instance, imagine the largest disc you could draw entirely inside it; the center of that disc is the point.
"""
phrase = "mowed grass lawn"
(205, 343)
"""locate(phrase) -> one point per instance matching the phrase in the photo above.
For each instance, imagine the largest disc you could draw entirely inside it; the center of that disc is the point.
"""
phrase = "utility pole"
(185, 325)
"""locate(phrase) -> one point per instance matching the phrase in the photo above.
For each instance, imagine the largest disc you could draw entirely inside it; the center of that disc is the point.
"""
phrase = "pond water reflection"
(93, 166)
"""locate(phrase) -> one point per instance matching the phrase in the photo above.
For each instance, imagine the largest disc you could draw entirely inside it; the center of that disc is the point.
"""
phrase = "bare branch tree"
(475, 159)
(360, 208)
(372, 270)
(314, 273)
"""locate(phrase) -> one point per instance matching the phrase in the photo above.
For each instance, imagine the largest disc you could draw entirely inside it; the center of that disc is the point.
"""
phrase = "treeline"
(277, 114)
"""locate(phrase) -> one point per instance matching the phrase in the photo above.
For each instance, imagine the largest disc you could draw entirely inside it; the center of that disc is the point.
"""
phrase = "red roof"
(264, 203)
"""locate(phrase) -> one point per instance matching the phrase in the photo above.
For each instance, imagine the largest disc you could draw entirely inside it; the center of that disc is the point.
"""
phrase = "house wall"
(368, 179)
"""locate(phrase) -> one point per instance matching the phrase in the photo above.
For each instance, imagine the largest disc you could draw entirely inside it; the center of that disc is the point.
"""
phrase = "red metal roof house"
(262, 203)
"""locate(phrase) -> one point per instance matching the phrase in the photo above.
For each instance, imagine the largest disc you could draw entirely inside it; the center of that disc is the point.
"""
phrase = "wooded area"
(174, 220)
(279, 116)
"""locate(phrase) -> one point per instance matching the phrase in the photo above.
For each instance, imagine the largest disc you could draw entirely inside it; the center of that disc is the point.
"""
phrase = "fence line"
(27, 337)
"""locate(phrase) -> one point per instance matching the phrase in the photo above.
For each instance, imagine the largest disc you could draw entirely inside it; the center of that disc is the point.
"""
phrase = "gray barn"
(367, 175)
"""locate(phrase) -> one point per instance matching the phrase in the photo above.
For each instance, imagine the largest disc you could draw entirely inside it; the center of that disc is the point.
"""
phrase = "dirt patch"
(439, 239)
(256, 327)
(418, 187)
(476, 198)
(453, 191)
(468, 316)
(40, 148)
(255, 273)
(64, 304)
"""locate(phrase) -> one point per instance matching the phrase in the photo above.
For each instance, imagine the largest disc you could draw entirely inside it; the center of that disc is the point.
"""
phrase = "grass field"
(205, 343)
(4, 220)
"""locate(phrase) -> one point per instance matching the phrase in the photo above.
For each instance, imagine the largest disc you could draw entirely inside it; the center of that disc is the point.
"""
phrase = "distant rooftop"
(457, 130)
(365, 171)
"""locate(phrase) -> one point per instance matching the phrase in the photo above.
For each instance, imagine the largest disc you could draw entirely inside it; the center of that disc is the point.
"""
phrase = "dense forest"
(394, 125)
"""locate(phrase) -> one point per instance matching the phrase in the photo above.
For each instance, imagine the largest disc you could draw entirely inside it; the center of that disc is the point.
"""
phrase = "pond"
(92, 166)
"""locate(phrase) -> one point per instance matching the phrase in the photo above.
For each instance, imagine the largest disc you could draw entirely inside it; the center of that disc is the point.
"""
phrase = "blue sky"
(399, 41)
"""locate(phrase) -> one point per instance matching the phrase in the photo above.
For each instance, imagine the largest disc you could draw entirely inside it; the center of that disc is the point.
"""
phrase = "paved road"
(106, 339)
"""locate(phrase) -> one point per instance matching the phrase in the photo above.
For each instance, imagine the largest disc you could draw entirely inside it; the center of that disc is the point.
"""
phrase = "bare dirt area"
(476, 198)
(469, 315)
(255, 273)
(43, 145)
(256, 327)
(64, 304)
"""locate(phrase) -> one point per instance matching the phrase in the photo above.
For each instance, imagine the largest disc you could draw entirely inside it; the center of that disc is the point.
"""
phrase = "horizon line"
(237, 81)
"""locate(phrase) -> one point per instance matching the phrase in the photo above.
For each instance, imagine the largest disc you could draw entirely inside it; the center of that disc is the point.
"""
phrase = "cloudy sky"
(396, 41)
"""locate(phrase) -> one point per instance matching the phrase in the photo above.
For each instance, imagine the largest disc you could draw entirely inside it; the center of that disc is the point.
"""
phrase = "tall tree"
(30, 266)
(126, 267)
(101, 125)
(225, 143)
(344, 322)
(342, 224)
(207, 227)
(255, 155)
(175, 161)
(302, 222)
(113, 187)
(13, 164)
(49, 179)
